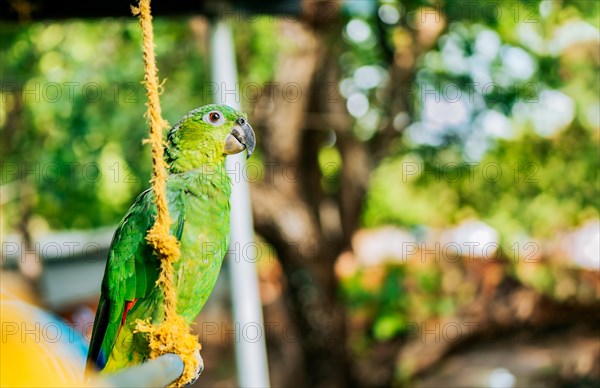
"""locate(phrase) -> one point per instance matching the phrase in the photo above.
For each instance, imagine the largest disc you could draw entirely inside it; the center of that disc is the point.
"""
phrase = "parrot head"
(207, 135)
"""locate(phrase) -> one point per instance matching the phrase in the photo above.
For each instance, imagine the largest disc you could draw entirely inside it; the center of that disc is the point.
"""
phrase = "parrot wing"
(131, 272)
(128, 287)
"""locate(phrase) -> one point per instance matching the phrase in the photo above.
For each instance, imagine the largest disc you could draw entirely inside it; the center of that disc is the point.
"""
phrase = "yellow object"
(35, 350)
(172, 335)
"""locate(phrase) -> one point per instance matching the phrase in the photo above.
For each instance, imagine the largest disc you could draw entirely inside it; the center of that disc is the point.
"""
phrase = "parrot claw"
(199, 370)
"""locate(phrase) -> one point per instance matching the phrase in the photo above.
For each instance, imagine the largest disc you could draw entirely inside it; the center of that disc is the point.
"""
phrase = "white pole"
(250, 348)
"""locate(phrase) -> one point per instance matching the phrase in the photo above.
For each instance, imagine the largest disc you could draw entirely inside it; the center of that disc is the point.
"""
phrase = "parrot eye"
(215, 118)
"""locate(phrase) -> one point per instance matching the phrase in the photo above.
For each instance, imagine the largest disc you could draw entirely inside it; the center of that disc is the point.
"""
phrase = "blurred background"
(425, 188)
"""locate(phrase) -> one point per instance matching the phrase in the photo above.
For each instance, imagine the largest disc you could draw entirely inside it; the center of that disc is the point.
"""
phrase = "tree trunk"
(287, 206)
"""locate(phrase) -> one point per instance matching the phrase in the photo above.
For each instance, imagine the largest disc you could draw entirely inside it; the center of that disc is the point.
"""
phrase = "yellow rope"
(173, 334)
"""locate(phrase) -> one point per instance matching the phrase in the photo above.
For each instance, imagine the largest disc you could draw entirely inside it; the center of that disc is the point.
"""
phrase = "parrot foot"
(199, 370)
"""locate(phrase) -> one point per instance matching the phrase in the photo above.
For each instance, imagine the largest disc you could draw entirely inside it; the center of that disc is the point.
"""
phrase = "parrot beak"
(241, 137)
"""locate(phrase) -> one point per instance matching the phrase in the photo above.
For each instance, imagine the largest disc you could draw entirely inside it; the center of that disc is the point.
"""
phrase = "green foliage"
(507, 189)
(383, 298)
(518, 149)
(534, 176)
(72, 107)
(330, 164)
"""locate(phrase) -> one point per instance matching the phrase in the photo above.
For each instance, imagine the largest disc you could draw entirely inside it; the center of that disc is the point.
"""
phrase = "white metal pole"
(250, 348)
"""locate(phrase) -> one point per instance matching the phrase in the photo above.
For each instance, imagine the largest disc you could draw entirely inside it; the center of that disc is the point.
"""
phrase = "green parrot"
(198, 191)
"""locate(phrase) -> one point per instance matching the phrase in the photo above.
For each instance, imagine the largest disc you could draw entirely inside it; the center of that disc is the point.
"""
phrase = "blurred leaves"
(502, 126)
(482, 144)
(72, 109)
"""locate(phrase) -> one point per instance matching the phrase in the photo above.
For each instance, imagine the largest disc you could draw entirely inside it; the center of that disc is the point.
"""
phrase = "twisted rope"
(173, 334)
